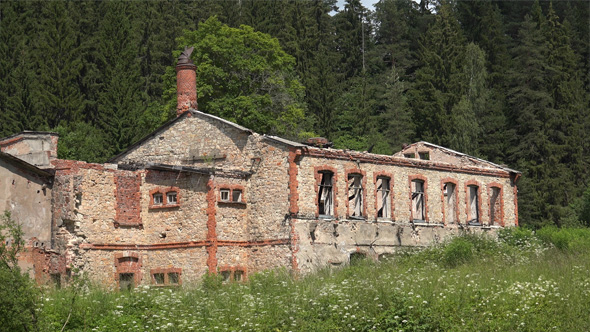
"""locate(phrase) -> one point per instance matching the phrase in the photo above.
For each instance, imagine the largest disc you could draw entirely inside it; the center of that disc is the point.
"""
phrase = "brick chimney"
(186, 82)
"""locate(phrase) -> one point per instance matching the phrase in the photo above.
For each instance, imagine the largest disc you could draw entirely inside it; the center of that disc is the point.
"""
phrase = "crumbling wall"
(27, 196)
(323, 242)
(36, 148)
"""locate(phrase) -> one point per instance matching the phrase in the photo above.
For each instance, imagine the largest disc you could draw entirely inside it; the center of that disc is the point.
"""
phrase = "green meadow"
(524, 281)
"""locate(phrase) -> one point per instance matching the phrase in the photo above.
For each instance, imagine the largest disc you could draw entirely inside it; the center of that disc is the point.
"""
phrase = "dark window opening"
(410, 155)
(56, 280)
(357, 258)
(126, 281)
(238, 274)
(236, 195)
(226, 276)
(424, 155)
(159, 278)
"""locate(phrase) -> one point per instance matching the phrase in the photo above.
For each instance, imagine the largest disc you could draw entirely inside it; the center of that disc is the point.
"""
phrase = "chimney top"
(186, 82)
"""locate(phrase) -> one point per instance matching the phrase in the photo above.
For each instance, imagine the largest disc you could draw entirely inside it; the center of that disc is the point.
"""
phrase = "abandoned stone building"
(202, 194)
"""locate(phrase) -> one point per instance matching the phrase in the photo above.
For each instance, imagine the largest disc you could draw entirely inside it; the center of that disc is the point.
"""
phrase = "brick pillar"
(186, 87)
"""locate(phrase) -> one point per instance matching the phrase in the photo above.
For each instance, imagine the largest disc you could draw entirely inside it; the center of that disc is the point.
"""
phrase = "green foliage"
(82, 141)
(570, 239)
(549, 287)
(244, 76)
(18, 293)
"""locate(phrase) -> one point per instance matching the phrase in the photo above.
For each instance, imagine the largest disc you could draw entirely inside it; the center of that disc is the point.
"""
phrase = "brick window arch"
(326, 191)
(473, 202)
(384, 206)
(418, 186)
(496, 203)
(450, 200)
(356, 206)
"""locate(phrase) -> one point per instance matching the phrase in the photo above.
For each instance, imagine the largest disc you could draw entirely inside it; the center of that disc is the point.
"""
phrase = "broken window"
(418, 202)
(158, 199)
(473, 209)
(355, 195)
(236, 195)
(224, 195)
(238, 274)
(424, 155)
(226, 275)
(410, 155)
(158, 278)
(173, 278)
(450, 194)
(325, 194)
(126, 281)
(496, 206)
(171, 197)
(383, 198)
(166, 277)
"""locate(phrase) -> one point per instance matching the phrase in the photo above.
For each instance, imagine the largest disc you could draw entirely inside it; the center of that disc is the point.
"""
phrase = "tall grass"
(523, 282)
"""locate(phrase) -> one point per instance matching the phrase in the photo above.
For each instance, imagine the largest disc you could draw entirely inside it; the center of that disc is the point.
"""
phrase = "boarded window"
(355, 195)
(383, 198)
(126, 281)
(450, 194)
(495, 206)
(418, 208)
(326, 195)
(473, 215)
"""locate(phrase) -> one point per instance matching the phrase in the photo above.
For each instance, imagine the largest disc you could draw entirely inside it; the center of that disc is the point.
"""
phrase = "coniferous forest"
(507, 81)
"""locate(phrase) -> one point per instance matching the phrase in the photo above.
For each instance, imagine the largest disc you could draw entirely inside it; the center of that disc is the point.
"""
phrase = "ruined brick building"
(204, 194)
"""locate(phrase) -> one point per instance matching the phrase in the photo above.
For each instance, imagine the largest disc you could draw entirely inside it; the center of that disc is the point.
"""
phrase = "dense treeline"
(507, 81)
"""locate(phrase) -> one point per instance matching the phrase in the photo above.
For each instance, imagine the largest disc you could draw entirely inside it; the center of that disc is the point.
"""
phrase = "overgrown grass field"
(524, 282)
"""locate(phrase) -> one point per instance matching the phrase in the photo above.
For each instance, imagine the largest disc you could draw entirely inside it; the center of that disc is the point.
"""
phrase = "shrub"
(17, 294)
(458, 251)
(517, 236)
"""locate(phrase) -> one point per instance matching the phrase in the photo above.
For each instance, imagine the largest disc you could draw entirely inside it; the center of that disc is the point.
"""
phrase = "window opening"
(56, 280)
(171, 197)
(450, 202)
(383, 200)
(424, 155)
(158, 199)
(238, 275)
(236, 195)
(410, 155)
(418, 200)
(473, 205)
(495, 206)
(325, 194)
(357, 257)
(355, 195)
(226, 275)
(126, 281)
(224, 195)
(173, 278)
(159, 278)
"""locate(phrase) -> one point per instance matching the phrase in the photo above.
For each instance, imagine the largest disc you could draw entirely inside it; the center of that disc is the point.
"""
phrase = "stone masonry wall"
(330, 242)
